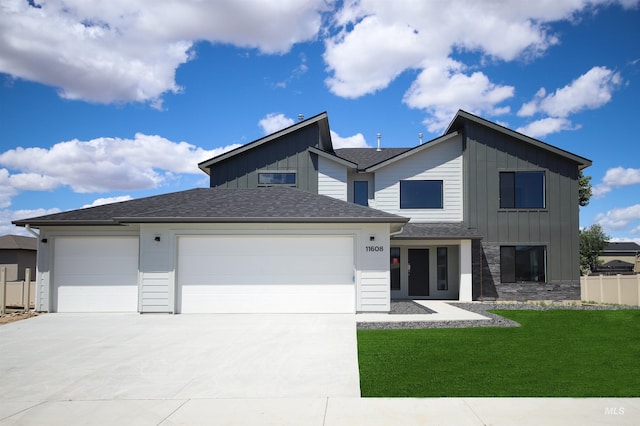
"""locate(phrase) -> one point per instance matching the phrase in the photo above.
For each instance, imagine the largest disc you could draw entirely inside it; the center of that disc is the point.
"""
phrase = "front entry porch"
(428, 263)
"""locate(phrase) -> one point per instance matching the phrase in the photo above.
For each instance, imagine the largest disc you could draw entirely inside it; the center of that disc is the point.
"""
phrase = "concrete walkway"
(331, 411)
(442, 312)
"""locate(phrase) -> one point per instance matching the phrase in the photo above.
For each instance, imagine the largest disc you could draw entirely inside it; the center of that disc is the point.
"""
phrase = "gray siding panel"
(288, 153)
(487, 153)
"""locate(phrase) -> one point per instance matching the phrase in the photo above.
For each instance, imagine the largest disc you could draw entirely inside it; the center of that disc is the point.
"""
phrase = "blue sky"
(106, 101)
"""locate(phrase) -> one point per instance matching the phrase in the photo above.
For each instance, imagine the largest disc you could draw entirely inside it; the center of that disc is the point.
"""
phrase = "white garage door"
(96, 274)
(227, 274)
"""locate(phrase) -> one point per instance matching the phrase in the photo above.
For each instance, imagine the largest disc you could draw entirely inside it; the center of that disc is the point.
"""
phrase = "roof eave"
(133, 220)
(39, 223)
(436, 237)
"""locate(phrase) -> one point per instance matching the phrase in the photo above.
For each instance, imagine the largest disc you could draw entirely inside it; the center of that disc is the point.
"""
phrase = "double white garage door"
(266, 274)
(215, 274)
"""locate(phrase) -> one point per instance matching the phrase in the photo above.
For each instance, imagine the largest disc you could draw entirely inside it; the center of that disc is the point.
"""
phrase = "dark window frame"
(442, 269)
(516, 265)
(356, 196)
(274, 182)
(517, 190)
(411, 199)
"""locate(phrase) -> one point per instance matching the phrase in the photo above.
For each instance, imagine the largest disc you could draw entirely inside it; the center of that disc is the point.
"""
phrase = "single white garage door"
(95, 274)
(266, 274)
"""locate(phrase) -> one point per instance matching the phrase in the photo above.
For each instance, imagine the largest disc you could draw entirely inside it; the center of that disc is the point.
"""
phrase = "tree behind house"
(592, 241)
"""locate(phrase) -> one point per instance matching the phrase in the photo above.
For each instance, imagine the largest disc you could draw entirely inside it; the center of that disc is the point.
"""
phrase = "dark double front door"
(418, 272)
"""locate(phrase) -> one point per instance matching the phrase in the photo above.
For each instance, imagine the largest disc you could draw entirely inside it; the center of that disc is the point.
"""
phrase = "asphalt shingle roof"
(622, 246)
(220, 205)
(426, 231)
(367, 157)
(18, 242)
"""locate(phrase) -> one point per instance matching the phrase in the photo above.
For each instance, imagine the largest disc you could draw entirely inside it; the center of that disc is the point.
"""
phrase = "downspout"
(31, 231)
(392, 234)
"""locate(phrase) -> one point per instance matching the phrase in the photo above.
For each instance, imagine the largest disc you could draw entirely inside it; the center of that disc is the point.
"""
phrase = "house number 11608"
(374, 248)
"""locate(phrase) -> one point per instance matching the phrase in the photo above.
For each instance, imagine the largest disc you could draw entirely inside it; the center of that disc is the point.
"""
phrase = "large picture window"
(523, 264)
(421, 194)
(522, 190)
(277, 178)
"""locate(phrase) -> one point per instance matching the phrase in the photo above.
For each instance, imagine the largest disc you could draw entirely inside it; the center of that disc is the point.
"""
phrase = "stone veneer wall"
(487, 285)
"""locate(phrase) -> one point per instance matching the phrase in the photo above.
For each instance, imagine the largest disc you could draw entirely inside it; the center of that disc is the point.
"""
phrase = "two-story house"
(290, 224)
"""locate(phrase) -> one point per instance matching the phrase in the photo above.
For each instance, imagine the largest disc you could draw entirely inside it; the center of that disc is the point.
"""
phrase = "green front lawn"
(568, 353)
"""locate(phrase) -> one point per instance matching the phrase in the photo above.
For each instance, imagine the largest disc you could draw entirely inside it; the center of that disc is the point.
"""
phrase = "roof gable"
(324, 140)
(462, 117)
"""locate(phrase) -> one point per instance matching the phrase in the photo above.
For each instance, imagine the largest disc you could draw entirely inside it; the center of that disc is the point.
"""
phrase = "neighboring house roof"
(458, 123)
(220, 205)
(628, 247)
(324, 140)
(616, 264)
(437, 231)
(18, 242)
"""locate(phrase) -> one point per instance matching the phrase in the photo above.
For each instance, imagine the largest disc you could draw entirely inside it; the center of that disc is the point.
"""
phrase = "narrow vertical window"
(395, 268)
(442, 268)
(361, 192)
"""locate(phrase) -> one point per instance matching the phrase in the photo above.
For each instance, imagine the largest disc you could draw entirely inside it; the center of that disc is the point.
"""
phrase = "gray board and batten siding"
(487, 152)
(286, 151)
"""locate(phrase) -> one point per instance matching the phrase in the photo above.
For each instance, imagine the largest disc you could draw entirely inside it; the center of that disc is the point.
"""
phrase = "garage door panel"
(266, 274)
(96, 274)
(269, 299)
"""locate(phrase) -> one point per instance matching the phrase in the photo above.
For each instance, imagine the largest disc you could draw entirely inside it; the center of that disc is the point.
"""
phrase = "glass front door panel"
(395, 268)
(418, 272)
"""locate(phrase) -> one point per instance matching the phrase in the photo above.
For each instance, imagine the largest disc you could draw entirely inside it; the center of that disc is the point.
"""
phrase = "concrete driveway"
(173, 358)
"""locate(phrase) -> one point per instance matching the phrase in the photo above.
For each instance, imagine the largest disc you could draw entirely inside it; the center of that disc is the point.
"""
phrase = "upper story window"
(421, 194)
(277, 178)
(361, 192)
(522, 190)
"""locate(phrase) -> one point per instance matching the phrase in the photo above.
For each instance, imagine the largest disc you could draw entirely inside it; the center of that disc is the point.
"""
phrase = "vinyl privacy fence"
(15, 294)
(618, 289)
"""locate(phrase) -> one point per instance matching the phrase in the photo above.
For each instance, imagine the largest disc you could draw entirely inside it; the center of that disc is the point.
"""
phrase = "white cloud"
(107, 200)
(6, 216)
(6, 190)
(123, 51)
(442, 89)
(273, 122)
(377, 41)
(355, 141)
(620, 218)
(100, 165)
(589, 91)
(546, 126)
(616, 177)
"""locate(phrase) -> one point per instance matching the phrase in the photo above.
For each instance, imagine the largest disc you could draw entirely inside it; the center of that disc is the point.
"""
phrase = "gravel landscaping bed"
(404, 307)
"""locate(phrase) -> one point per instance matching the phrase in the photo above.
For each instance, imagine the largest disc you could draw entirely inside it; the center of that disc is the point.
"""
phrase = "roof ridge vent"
(379, 136)
(420, 135)
(300, 117)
